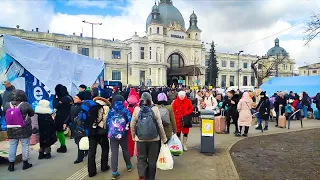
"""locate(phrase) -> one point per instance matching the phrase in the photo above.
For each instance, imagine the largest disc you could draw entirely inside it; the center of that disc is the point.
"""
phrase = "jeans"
(93, 143)
(13, 149)
(305, 112)
(147, 159)
(115, 152)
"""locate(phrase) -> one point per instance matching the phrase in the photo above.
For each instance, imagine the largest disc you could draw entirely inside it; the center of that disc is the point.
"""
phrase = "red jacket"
(181, 108)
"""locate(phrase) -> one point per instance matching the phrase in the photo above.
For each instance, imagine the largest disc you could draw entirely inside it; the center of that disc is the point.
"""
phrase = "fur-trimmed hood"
(43, 107)
(102, 101)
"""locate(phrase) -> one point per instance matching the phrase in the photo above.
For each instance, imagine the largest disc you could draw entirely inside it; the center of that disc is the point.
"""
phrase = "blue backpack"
(118, 126)
(86, 123)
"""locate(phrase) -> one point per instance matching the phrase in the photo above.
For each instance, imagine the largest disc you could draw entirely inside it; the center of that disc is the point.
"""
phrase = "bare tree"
(260, 76)
(312, 29)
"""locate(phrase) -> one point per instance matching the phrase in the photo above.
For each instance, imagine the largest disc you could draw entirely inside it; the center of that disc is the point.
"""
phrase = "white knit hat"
(182, 94)
(43, 107)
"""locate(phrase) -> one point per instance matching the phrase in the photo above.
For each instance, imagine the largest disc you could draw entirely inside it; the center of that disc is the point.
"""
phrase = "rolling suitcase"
(220, 123)
(282, 121)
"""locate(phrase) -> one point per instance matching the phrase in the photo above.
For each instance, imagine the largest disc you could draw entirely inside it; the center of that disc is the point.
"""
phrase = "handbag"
(186, 121)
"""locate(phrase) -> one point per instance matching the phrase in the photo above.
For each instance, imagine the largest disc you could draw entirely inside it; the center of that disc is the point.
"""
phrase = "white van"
(242, 88)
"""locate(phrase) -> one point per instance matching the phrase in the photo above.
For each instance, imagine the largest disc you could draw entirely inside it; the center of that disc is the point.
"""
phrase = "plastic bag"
(84, 144)
(175, 146)
(165, 160)
(135, 152)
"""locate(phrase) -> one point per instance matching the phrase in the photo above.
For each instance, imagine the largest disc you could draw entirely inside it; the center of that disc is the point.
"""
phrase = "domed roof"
(277, 50)
(193, 16)
(168, 14)
(155, 8)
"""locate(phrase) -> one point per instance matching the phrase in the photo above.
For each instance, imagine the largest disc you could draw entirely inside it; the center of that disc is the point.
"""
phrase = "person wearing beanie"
(263, 108)
(47, 129)
(182, 107)
(118, 119)
(148, 150)
(166, 112)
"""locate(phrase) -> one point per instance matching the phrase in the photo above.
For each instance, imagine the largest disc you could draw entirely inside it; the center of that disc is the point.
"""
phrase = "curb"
(234, 169)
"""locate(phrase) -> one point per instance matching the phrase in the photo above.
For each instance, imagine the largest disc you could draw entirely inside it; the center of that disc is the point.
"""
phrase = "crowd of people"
(137, 120)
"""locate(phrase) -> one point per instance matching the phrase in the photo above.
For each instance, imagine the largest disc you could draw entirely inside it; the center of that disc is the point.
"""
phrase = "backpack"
(14, 117)
(165, 116)
(118, 126)
(146, 128)
(86, 123)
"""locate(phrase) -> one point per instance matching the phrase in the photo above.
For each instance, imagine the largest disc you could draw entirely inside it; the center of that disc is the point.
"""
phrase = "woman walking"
(19, 128)
(245, 116)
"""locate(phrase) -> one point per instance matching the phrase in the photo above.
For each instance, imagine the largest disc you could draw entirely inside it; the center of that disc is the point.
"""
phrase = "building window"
(245, 65)
(290, 67)
(259, 66)
(142, 52)
(116, 75)
(245, 81)
(175, 61)
(150, 53)
(150, 30)
(189, 35)
(196, 36)
(314, 71)
(304, 72)
(83, 51)
(67, 48)
(116, 55)
(150, 71)
(224, 63)
(223, 80)
(231, 80)
(232, 64)
(158, 30)
(130, 71)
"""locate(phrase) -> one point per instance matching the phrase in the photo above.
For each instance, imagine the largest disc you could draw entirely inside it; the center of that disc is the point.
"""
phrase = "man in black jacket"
(263, 108)
(232, 102)
(279, 106)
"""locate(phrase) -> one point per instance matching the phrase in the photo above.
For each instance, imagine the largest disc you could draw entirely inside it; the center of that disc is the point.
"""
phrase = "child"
(289, 109)
(47, 129)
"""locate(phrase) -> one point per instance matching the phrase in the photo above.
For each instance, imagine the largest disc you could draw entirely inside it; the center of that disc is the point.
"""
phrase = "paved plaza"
(192, 165)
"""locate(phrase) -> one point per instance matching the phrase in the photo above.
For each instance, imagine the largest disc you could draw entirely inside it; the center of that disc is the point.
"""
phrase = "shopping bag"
(84, 144)
(135, 152)
(165, 160)
(175, 146)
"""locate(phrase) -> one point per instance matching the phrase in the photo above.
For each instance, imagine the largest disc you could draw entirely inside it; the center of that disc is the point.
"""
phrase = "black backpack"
(146, 128)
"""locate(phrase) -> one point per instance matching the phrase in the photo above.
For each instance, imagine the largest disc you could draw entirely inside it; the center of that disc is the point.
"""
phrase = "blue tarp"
(297, 84)
(52, 66)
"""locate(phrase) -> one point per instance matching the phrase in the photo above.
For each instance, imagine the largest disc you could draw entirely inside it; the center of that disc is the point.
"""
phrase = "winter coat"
(244, 108)
(74, 111)
(181, 108)
(264, 108)
(211, 102)
(279, 101)
(305, 99)
(168, 129)
(47, 130)
(154, 96)
(199, 100)
(158, 120)
(232, 108)
(27, 112)
(103, 112)
(118, 107)
(172, 96)
(6, 96)
(63, 108)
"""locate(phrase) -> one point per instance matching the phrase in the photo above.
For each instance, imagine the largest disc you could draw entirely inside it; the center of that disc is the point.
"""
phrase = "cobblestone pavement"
(192, 165)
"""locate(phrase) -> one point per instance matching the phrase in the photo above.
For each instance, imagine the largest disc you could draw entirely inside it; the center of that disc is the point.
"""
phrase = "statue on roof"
(175, 26)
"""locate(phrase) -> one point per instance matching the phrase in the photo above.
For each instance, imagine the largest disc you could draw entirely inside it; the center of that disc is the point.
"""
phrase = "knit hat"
(182, 93)
(162, 97)
(117, 98)
(263, 93)
(146, 96)
(82, 96)
(133, 99)
(43, 107)
(106, 93)
(83, 86)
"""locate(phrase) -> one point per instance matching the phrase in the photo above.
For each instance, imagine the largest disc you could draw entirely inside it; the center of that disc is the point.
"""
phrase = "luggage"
(282, 122)
(220, 123)
(317, 114)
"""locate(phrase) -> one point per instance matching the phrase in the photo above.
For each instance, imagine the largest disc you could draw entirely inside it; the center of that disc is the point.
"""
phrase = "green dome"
(277, 50)
(168, 14)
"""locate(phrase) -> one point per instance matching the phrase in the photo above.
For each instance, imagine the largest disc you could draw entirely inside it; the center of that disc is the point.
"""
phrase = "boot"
(259, 127)
(11, 167)
(48, 156)
(41, 155)
(265, 128)
(26, 165)
(185, 139)
(62, 149)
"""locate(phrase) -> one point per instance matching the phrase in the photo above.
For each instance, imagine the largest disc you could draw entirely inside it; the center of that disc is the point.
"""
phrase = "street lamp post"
(92, 24)
(239, 69)
(128, 68)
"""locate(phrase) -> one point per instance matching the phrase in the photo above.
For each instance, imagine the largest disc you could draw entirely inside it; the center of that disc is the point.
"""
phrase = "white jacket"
(211, 102)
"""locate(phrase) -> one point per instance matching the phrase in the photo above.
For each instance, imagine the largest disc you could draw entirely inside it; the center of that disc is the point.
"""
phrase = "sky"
(232, 24)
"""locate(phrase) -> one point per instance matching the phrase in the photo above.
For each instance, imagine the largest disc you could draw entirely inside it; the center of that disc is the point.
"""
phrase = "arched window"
(150, 30)
(158, 30)
(196, 36)
(175, 61)
(189, 36)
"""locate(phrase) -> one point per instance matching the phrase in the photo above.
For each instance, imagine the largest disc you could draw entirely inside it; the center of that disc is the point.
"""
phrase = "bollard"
(207, 131)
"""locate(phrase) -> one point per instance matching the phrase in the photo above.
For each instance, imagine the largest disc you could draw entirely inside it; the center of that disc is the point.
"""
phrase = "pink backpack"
(14, 117)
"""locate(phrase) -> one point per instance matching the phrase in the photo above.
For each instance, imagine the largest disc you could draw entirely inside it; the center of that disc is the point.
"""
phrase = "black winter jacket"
(264, 108)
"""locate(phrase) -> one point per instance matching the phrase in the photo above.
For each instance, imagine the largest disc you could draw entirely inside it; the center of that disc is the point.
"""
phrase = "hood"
(43, 107)
(63, 91)
(133, 92)
(246, 97)
(57, 90)
(10, 88)
(118, 106)
(102, 101)
(19, 96)
(95, 92)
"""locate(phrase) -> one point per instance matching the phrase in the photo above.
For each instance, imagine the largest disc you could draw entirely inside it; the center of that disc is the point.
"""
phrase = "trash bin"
(207, 131)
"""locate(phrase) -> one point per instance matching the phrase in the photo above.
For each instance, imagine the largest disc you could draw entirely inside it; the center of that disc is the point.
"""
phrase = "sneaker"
(115, 175)
(237, 134)
(62, 149)
(48, 156)
(26, 165)
(276, 125)
(41, 155)
(77, 161)
(245, 135)
(129, 168)
(265, 128)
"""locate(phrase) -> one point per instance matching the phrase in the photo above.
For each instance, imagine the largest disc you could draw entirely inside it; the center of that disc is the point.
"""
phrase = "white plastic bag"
(165, 160)
(175, 146)
(84, 144)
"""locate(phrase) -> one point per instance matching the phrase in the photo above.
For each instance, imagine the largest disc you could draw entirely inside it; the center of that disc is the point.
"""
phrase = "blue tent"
(297, 84)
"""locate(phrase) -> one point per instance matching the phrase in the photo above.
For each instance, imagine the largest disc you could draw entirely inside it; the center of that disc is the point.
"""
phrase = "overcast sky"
(230, 23)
